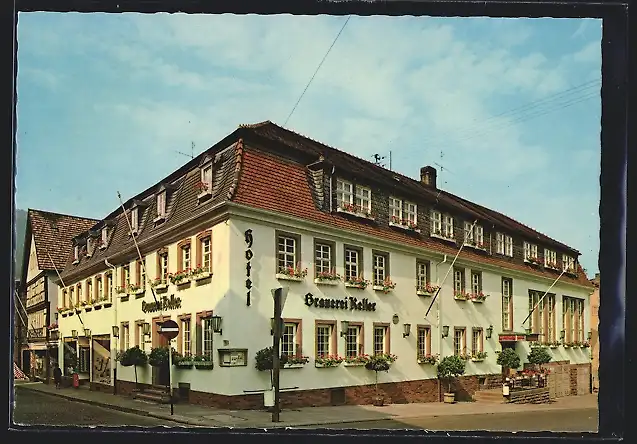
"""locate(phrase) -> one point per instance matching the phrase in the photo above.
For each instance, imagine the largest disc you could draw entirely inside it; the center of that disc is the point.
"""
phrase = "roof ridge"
(29, 210)
(255, 125)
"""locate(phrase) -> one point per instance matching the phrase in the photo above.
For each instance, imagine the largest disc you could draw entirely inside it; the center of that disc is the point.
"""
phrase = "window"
(573, 319)
(381, 265)
(395, 210)
(163, 266)
(436, 223)
(134, 219)
(206, 342)
(206, 178)
(90, 297)
(126, 277)
(550, 319)
(476, 282)
(100, 288)
(352, 264)
(323, 258)
(353, 341)
(185, 257)
(447, 226)
(499, 243)
(140, 339)
(468, 233)
(109, 286)
(204, 251)
(76, 253)
(72, 300)
(476, 341)
(89, 247)
(141, 273)
(125, 337)
(65, 301)
(530, 251)
(422, 275)
(458, 280)
(161, 204)
(568, 263)
(504, 244)
(507, 304)
(473, 235)
(364, 199)
(459, 341)
(104, 237)
(424, 341)
(287, 254)
(580, 318)
(381, 339)
(186, 343)
(550, 258)
(325, 339)
(411, 213)
(291, 338)
(344, 193)
(79, 293)
(536, 316)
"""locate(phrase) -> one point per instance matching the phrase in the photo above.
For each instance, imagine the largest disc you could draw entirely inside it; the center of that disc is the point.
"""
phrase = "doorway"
(160, 375)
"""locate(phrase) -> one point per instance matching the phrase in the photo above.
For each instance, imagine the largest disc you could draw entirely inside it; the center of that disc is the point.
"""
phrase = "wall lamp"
(115, 331)
(344, 327)
(146, 328)
(74, 334)
(489, 331)
(562, 334)
(87, 332)
(590, 335)
(445, 331)
(216, 324)
(406, 330)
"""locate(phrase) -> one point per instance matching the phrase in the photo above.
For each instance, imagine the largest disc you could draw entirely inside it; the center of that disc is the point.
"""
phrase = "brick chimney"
(428, 176)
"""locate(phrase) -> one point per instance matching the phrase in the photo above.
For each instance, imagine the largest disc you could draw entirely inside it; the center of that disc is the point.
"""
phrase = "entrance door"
(160, 374)
(26, 362)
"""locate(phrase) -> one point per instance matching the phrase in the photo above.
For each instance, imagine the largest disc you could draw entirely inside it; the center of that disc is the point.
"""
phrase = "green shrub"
(450, 367)
(508, 358)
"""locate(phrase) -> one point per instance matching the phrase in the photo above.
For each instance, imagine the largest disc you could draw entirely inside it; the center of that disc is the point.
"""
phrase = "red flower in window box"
(201, 186)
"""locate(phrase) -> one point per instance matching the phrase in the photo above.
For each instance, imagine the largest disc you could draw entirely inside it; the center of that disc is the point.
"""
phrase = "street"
(583, 420)
(33, 408)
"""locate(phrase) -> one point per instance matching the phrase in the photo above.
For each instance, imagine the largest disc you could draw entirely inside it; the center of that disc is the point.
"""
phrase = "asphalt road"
(584, 420)
(33, 408)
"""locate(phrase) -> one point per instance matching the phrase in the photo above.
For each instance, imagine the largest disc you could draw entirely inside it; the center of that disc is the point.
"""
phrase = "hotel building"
(266, 207)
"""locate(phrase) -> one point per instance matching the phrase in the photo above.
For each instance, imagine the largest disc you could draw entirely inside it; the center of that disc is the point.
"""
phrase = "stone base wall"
(531, 396)
(99, 387)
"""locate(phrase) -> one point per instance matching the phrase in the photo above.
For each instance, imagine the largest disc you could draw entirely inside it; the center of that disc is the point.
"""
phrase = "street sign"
(282, 292)
(169, 329)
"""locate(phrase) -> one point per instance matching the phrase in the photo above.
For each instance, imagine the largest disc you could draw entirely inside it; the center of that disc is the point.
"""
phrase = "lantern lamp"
(115, 331)
(74, 334)
(146, 328)
(344, 327)
(87, 332)
(445, 331)
(489, 331)
(216, 324)
(406, 330)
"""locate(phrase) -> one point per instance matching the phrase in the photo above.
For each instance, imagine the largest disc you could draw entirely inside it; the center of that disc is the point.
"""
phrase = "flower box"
(319, 365)
(162, 286)
(182, 282)
(477, 359)
(460, 298)
(286, 277)
(88, 307)
(355, 213)
(65, 314)
(424, 293)
(204, 194)
(354, 364)
(97, 304)
(107, 304)
(475, 246)
(203, 365)
(184, 364)
(318, 281)
(352, 285)
(297, 365)
(444, 238)
(431, 360)
(381, 288)
(202, 276)
(404, 227)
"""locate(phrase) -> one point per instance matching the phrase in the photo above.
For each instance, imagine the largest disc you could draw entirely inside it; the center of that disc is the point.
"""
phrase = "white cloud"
(45, 78)
(591, 53)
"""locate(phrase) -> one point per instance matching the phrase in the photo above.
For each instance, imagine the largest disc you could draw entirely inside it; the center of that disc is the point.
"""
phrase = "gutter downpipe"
(114, 349)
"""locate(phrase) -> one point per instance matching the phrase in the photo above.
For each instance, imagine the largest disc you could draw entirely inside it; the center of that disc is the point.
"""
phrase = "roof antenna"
(192, 151)
(377, 158)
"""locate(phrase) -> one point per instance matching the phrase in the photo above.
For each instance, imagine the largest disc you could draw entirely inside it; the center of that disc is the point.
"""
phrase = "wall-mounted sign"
(347, 303)
(233, 357)
(249, 255)
(164, 303)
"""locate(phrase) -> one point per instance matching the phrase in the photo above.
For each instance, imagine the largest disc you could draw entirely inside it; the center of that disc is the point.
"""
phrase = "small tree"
(265, 360)
(539, 356)
(508, 359)
(380, 363)
(133, 356)
(450, 367)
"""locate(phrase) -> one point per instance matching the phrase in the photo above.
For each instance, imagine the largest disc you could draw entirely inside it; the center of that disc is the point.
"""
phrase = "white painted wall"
(32, 267)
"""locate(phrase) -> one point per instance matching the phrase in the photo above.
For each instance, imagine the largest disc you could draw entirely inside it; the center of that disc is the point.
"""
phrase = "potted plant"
(292, 273)
(181, 277)
(327, 361)
(134, 356)
(355, 360)
(356, 282)
(478, 297)
(428, 359)
(158, 283)
(538, 356)
(479, 356)
(380, 363)
(460, 296)
(202, 361)
(509, 360)
(554, 344)
(450, 367)
(327, 277)
(386, 286)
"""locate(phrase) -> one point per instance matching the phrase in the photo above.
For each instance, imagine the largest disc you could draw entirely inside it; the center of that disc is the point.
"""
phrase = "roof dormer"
(136, 212)
(204, 185)
(162, 197)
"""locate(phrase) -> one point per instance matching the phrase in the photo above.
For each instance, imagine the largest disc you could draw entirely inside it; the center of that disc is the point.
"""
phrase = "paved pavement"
(312, 416)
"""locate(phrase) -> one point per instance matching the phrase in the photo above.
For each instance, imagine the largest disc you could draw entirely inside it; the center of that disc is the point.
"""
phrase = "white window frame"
(89, 250)
(363, 201)
(447, 226)
(458, 280)
(89, 290)
(380, 334)
(353, 332)
(499, 243)
(477, 341)
(530, 251)
(325, 340)
(206, 178)
(459, 343)
(476, 282)
(161, 204)
(186, 337)
(506, 305)
(436, 223)
(423, 341)
(163, 268)
(285, 258)
(109, 283)
(321, 263)
(568, 263)
(185, 257)
(395, 210)
(134, 219)
(289, 345)
(380, 268)
(206, 253)
(468, 233)
(76, 253)
(104, 237)
(422, 272)
(207, 344)
(410, 211)
(344, 193)
(142, 273)
(100, 288)
(550, 256)
(352, 264)
(126, 334)
(508, 245)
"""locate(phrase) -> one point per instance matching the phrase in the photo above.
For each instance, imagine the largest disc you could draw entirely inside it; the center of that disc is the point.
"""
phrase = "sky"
(507, 110)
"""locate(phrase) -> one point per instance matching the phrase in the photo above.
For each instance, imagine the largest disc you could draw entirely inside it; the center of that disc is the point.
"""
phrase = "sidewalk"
(193, 415)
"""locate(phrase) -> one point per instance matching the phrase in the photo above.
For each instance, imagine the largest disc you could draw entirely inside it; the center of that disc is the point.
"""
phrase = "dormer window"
(504, 244)
(76, 254)
(104, 239)
(355, 200)
(550, 259)
(204, 186)
(568, 263)
(530, 253)
(474, 235)
(134, 220)
(442, 225)
(89, 247)
(403, 214)
(161, 206)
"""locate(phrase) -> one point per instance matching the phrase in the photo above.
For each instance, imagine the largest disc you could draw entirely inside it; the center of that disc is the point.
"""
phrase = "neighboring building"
(47, 244)
(264, 203)
(595, 332)
(19, 322)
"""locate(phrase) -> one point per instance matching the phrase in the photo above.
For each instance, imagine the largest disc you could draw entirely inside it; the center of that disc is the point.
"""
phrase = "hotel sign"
(347, 303)
(164, 303)
(249, 255)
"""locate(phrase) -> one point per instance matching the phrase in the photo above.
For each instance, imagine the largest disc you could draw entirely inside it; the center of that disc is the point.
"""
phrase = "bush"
(450, 367)
(264, 359)
(539, 356)
(158, 357)
(508, 358)
(133, 356)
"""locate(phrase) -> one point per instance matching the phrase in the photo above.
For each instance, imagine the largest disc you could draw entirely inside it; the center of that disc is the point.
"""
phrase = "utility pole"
(279, 295)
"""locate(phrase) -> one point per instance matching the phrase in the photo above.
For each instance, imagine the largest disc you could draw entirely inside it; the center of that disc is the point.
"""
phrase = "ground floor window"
(324, 341)
(353, 342)
(424, 342)
(381, 339)
(459, 341)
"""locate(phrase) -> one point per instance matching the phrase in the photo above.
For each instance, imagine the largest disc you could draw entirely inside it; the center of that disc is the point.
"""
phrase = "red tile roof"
(260, 187)
(52, 233)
